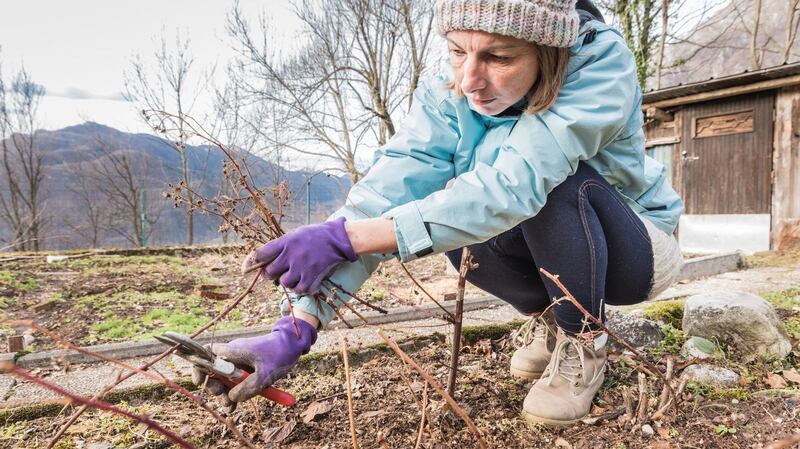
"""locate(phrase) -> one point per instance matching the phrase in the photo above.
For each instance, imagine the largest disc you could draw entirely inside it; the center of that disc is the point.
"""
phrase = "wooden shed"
(732, 148)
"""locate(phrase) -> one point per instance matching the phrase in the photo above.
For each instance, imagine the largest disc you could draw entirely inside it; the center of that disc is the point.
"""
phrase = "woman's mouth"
(479, 102)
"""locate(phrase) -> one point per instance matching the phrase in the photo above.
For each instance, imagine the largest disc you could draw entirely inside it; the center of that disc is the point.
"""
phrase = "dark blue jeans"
(585, 234)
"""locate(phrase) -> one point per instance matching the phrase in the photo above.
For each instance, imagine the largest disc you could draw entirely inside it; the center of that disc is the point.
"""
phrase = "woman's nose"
(473, 79)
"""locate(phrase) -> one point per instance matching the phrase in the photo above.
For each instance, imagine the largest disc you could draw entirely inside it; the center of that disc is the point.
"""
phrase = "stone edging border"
(693, 269)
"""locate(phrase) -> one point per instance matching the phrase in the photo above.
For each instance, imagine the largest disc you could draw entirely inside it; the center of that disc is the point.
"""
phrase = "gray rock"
(711, 375)
(745, 321)
(699, 348)
(633, 328)
(647, 429)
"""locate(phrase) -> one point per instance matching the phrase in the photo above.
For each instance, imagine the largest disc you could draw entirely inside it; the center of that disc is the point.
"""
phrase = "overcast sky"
(79, 49)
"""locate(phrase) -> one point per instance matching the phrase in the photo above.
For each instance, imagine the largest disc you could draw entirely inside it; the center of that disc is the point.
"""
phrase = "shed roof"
(739, 79)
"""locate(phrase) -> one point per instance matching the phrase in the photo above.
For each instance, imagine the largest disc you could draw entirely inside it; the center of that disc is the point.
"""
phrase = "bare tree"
(91, 217)
(362, 60)
(119, 179)
(755, 58)
(171, 87)
(662, 40)
(791, 28)
(22, 195)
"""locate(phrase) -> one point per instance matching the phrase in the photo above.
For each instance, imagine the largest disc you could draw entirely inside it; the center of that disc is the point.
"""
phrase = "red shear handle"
(273, 394)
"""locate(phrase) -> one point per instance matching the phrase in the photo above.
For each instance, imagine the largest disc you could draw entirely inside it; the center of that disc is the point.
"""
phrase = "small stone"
(44, 305)
(711, 375)
(634, 329)
(699, 348)
(742, 320)
(647, 429)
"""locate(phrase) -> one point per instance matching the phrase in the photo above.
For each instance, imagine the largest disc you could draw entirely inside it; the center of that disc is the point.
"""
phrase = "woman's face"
(494, 71)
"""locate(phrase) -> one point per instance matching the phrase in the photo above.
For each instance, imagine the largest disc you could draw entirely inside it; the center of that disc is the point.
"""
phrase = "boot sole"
(525, 375)
(537, 420)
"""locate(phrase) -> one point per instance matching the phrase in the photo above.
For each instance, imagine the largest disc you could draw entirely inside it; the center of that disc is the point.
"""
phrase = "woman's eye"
(500, 59)
(456, 52)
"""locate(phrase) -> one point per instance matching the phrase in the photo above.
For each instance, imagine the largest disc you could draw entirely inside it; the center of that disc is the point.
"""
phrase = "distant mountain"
(68, 151)
(721, 44)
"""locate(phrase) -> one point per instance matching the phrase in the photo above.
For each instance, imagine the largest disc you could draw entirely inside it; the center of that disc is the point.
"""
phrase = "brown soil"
(388, 416)
(72, 296)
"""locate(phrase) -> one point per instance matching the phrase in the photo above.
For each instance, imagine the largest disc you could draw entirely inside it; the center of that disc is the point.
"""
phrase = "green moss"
(474, 334)
(9, 416)
(669, 312)
(783, 299)
(710, 392)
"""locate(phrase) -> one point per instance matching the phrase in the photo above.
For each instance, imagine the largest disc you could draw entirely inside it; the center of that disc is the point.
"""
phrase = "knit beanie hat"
(552, 23)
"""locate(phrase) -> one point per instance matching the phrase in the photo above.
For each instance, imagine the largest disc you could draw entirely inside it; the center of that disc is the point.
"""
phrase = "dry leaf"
(372, 414)
(662, 432)
(278, 434)
(560, 442)
(374, 362)
(791, 375)
(314, 410)
(776, 381)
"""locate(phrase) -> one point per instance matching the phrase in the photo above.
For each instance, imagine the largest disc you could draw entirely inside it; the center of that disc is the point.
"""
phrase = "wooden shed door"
(726, 160)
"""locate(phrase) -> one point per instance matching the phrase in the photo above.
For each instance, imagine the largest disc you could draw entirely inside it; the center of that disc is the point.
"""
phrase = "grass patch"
(15, 282)
(168, 311)
(783, 299)
(784, 258)
(792, 326)
(104, 263)
(669, 312)
(115, 329)
(671, 343)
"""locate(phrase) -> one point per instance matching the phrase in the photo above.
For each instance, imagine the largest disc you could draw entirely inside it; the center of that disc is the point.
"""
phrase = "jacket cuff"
(311, 305)
(413, 239)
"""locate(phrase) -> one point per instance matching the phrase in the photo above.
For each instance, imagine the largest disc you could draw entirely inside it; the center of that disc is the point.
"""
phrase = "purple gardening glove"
(268, 356)
(302, 258)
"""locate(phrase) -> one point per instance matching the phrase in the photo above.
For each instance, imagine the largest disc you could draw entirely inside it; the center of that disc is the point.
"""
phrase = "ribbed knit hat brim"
(553, 23)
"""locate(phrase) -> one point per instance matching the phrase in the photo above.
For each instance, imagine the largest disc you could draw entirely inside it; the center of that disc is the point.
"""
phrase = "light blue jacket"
(504, 167)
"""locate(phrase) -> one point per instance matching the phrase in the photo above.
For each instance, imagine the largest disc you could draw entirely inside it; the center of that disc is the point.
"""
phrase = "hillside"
(71, 153)
(720, 46)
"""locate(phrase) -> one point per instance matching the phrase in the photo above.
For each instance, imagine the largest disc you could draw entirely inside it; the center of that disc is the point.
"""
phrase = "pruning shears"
(216, 367)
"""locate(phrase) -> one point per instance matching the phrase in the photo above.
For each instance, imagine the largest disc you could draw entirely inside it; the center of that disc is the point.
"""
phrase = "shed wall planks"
(786, 168)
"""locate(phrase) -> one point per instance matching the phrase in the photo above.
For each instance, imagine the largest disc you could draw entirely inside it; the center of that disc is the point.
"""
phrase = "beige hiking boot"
(535, 342)
(564, 393)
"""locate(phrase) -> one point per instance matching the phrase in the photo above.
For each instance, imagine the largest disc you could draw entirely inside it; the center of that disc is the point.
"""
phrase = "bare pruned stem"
(458, 318)
(436, 386)
(422, 420)
(94, 403)
(122, 378)
(350, 414)
(161, 379)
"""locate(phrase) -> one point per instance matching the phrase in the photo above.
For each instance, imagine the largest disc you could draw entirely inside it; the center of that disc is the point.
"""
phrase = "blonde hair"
(552, 71)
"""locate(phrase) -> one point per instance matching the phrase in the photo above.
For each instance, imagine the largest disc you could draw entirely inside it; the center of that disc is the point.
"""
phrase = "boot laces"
(569, 359)
(533, 329)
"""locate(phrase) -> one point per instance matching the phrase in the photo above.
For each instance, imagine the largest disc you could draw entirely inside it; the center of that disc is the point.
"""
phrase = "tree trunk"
(755, 60)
